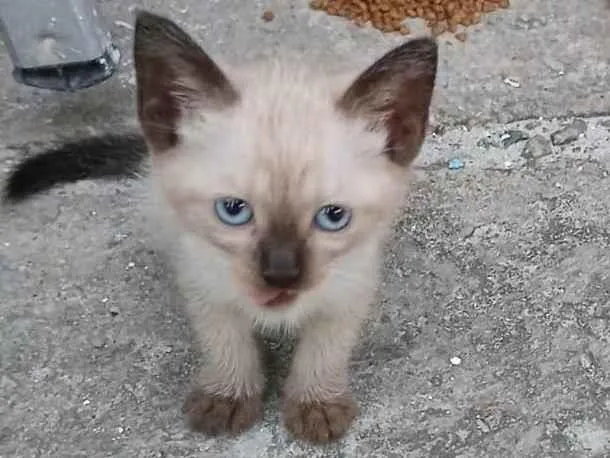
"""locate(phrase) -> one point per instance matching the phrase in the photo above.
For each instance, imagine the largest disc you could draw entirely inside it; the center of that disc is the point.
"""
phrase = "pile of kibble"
(389, 15)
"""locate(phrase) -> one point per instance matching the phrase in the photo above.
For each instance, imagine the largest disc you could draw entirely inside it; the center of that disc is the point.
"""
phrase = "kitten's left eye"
(232, 211)
(332, 218)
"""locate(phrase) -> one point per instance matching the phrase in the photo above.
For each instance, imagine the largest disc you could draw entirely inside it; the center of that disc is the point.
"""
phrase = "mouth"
(273, 297)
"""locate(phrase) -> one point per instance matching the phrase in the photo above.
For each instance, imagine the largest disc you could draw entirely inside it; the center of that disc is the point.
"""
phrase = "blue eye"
(332, 218)
(232, 211)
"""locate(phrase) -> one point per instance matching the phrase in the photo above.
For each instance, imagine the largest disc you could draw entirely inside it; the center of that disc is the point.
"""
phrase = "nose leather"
(280, 265)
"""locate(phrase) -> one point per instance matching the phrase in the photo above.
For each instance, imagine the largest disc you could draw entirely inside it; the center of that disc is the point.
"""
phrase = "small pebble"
(456, 360)
(131, 264)
(114, 310)
(569, 133)
(483, 427)
(86, 402)
(512, 82)
(510, 137)
(536, 147)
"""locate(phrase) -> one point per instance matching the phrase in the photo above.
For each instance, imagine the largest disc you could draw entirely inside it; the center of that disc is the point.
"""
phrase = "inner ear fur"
(395, 92)
(173, 74)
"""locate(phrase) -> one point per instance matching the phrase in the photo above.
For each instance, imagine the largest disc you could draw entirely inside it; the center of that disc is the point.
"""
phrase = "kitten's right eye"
(232, 211)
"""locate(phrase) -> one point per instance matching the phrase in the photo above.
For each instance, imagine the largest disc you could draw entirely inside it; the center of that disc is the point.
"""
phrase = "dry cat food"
(268, 16)
(389, 15)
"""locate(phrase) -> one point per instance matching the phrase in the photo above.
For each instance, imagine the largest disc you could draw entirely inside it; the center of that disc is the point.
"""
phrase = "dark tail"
(107, 156)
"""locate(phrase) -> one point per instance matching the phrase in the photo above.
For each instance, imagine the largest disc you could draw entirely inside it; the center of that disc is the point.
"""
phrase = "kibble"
(268, 16)
(388, 15)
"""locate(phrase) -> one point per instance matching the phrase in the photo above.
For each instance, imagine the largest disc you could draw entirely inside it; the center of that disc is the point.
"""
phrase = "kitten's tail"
(106, 156)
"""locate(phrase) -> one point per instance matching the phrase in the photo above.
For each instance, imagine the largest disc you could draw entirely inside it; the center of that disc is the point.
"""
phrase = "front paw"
(215, 415)
(319, 421)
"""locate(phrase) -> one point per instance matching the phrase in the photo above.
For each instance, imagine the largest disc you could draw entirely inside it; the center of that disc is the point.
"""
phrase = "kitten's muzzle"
(281, 264)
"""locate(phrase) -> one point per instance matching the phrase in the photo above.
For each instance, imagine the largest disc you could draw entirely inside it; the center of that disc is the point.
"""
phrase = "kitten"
(279, 185)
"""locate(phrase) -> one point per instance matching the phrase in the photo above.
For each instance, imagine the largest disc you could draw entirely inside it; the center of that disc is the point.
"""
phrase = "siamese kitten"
(279, 184)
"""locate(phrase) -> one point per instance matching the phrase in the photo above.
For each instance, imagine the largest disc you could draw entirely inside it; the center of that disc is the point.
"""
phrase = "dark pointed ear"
(395, 92)
(173, 74)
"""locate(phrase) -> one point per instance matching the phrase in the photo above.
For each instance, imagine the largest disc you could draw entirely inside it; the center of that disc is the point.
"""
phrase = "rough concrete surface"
(491, 336)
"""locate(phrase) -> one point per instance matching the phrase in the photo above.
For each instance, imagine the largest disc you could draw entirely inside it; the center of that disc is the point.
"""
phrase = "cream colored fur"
(284, 147)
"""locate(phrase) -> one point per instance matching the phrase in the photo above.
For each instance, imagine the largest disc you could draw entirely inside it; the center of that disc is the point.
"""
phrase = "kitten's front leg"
(227, 397)
(317, 403)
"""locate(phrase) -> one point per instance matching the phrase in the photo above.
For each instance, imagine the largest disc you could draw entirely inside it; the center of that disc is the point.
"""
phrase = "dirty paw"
(215, 415)
(321, 421)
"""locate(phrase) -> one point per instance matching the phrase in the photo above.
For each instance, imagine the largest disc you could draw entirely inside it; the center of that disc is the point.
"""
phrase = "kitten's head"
(281, 169)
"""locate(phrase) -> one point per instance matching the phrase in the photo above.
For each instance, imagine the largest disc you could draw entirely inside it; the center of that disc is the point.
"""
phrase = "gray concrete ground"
(491, 337)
